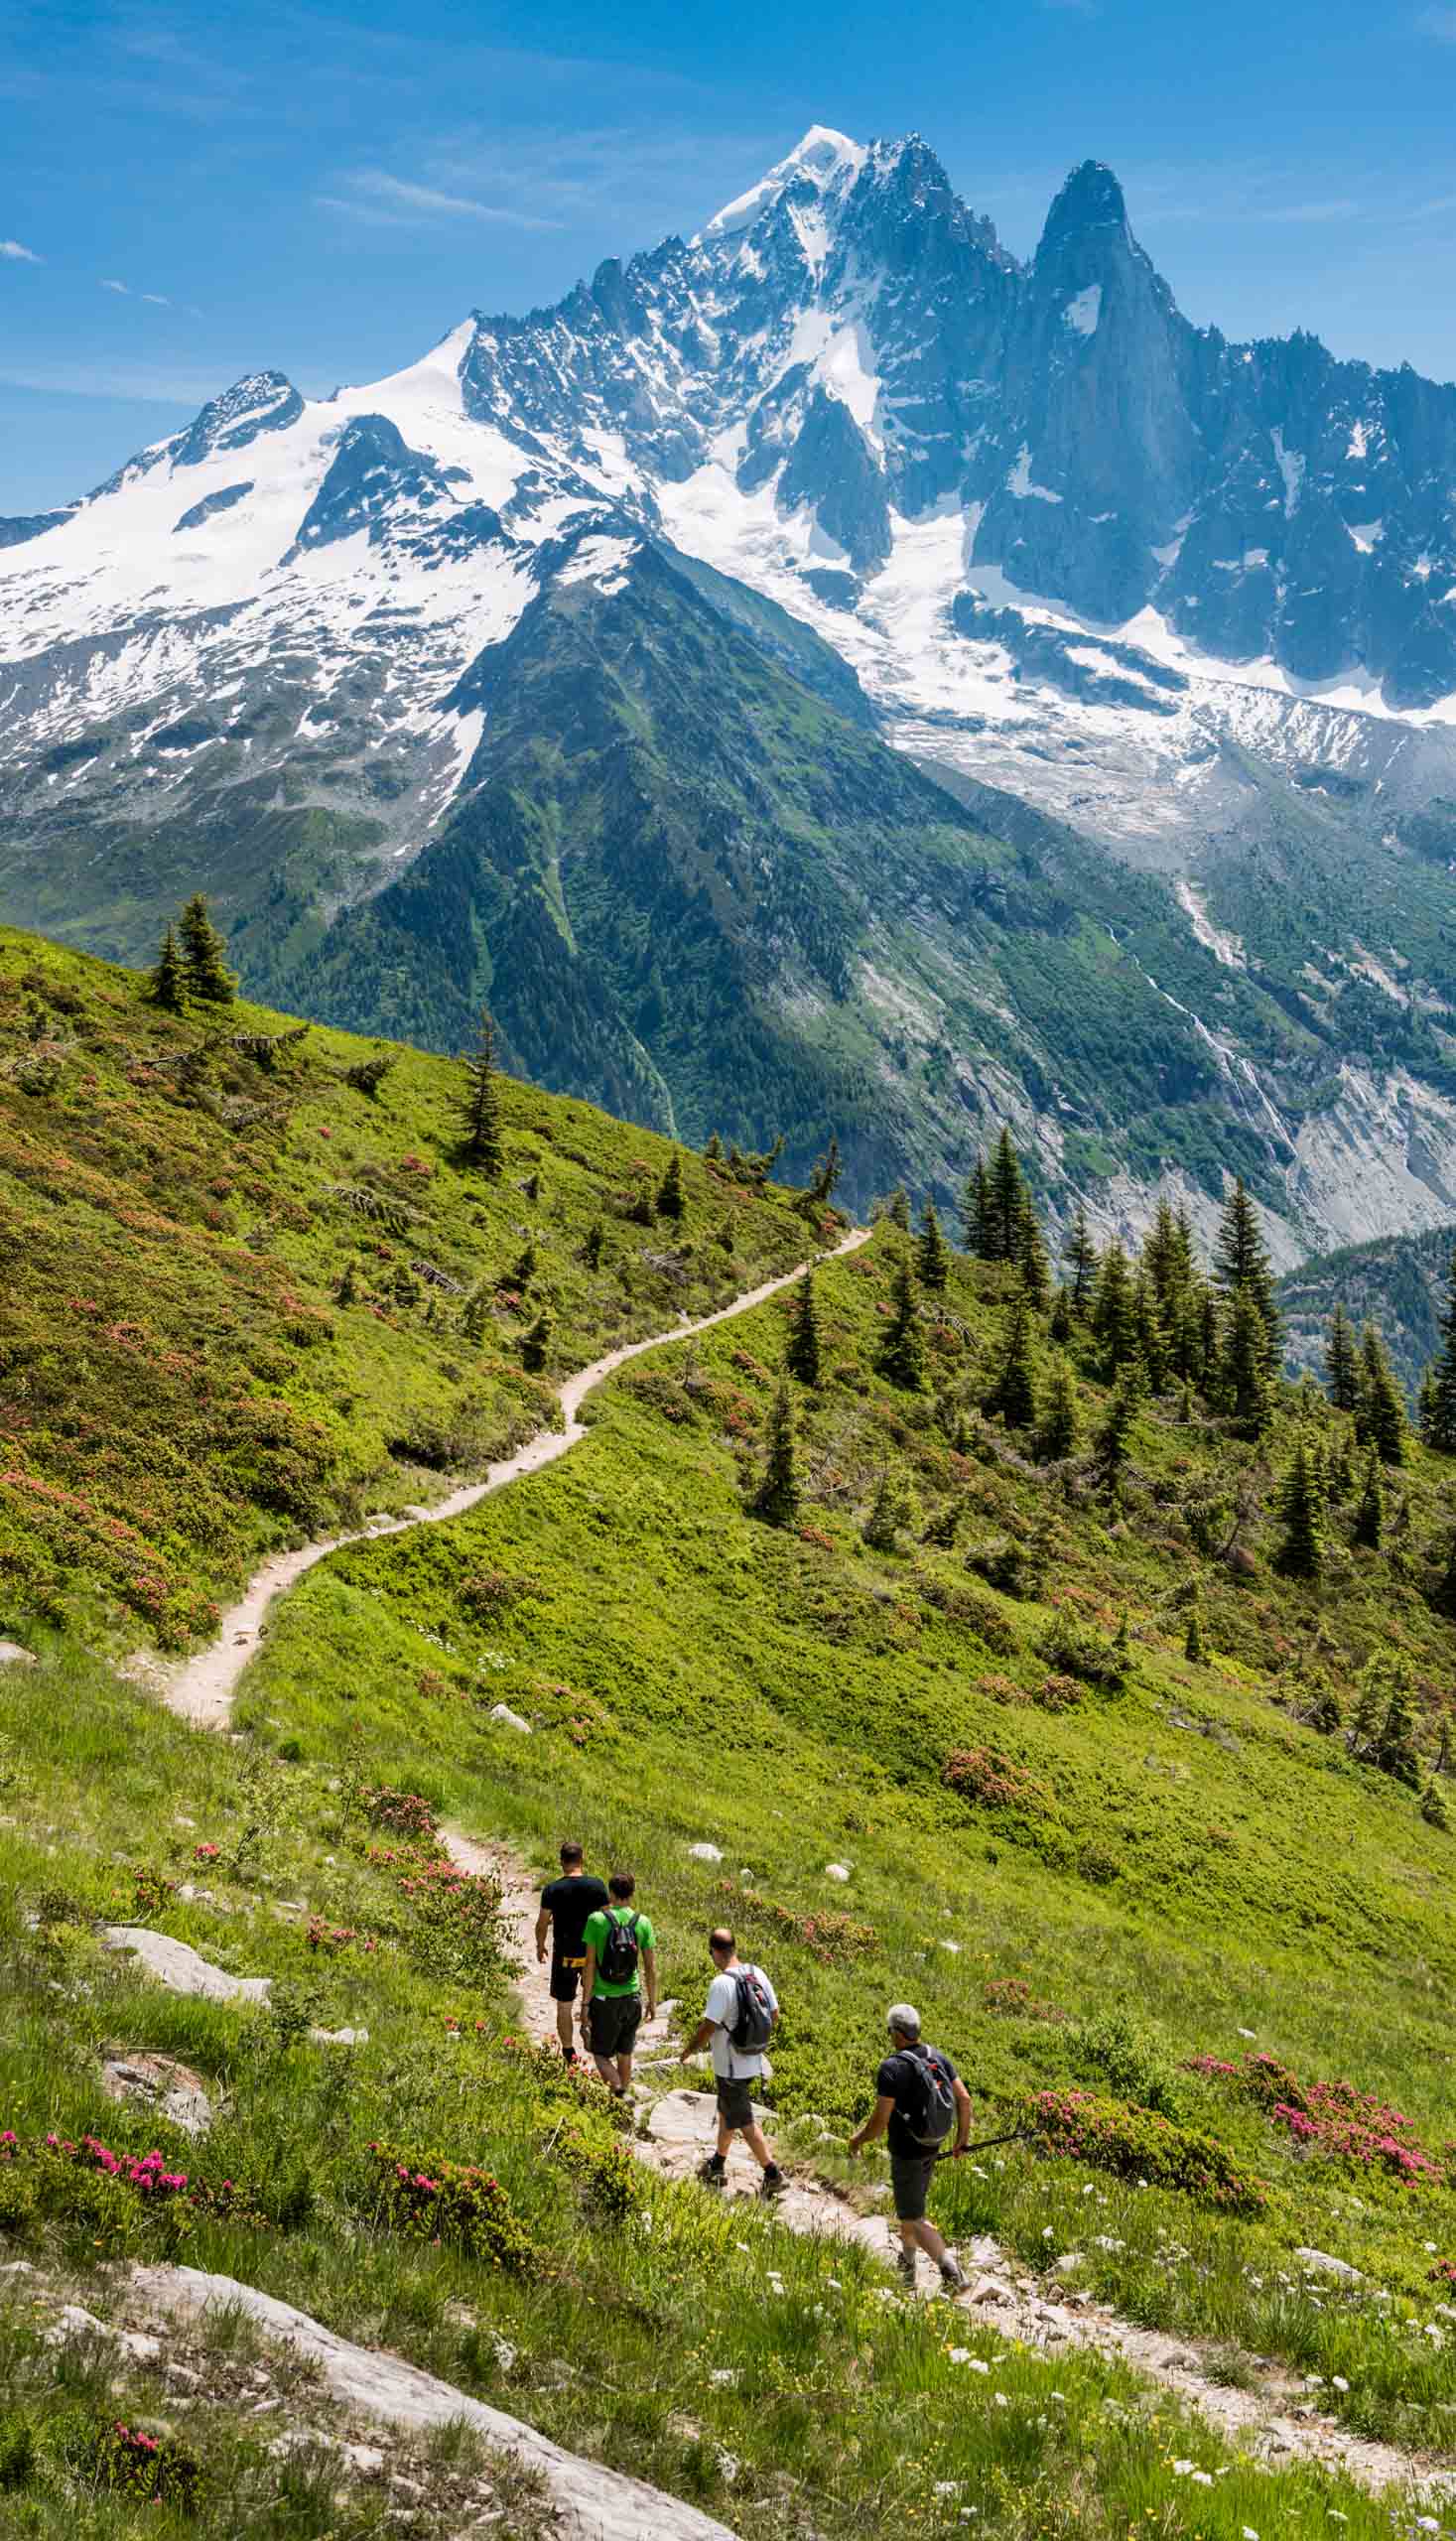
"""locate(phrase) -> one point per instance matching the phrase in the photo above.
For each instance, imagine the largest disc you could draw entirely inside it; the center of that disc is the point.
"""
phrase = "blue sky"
(188, 194)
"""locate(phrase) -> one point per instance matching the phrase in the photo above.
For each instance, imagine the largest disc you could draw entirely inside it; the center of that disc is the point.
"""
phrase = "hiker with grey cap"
(921, 2099)
(739, 2017)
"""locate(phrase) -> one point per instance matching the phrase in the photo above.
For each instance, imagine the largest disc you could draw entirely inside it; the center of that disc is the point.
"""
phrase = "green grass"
(181, 1383)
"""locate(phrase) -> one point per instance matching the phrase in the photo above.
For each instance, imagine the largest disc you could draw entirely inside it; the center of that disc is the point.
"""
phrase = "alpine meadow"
(727, 1361)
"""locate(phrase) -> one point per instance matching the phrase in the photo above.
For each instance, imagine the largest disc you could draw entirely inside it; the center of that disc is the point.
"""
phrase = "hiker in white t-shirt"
(740, 2018)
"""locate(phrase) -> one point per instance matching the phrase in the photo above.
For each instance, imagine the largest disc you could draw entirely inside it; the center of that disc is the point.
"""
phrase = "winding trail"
(1274, 2420)
(201, 1688)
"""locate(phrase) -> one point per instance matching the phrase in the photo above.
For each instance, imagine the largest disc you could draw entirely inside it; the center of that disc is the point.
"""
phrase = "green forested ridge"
(1399, 1280)
(1118, 1788)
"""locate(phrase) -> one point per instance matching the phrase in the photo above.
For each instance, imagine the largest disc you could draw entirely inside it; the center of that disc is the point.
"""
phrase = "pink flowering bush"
(454, 1915)
(150, 2470)
(1138, 2144)
(334, 1939)
(402, 1812)
(1328, 2121)
(433, 2200)
(89, 2182)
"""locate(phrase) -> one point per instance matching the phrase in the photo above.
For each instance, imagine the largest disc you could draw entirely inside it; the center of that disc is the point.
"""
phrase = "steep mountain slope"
(1400, 1282)
(1194, 600)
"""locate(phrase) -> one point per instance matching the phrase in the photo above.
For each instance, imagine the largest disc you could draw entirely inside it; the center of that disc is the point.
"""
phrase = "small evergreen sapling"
(1433, 1808)
(1193, 1637)
(1056, 1435)
(1342, 1365)
(1379, 1418)
(1014, 1394)
(536, 1341)
(903, 1352)
(897, 1209)
(1111, 1312)
(1059, 1324)
(976, 1214)
(933, 1254)
(1301, 1554)
(672, 1198)
(801, 1356)
(776, 1499)
(1370, 1514)
(1081, 1259)
(479, 1110)
(166, 986)
(1241, 1267)
(1031, 1258)
(596, 1238)
(203, 956)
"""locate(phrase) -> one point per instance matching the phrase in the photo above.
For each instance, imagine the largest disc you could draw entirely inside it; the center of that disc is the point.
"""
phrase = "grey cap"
(905, 2018)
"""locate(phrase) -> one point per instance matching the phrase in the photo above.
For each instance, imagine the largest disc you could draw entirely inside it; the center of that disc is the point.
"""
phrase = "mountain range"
(825, 674)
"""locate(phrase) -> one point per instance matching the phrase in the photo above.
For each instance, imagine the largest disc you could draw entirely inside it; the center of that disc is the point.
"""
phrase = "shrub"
(1008, 1565)
(983, 1775)
(1081, 1651)
(1138, 2144)
(402, 1812)
(1011, 1997)
(1130, 2057)
(456, 1919)
(608, 2174)
(1331, 2120)
(489, 1593)
(151, 2470)
(433, 2200)
(830, 1938)
(1057, 1693)
(980, 1615)
(17, 2452)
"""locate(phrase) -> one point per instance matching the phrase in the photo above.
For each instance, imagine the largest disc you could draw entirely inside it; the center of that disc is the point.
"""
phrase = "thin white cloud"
(395, 203)
(120, 288)
(155, 299)
(19, 255)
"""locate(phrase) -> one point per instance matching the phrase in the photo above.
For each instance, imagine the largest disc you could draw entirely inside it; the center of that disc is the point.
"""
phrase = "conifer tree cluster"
(192, 963)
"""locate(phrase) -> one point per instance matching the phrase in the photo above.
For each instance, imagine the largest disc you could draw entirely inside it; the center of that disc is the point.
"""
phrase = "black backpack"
(753, 2019)
(931, 2120)
(618, 1963)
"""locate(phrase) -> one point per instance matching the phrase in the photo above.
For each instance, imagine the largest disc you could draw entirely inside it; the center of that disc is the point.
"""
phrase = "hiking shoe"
(952, 2274)
(905, 2263)
(774, 2181)
(713, 2173)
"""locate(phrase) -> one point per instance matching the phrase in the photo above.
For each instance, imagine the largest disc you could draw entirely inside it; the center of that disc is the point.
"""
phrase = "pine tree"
(933, 1254)
(1008, 1192)
(1111, 1314)
(976, 1214)
(1394, 1748)
(777, 1497)
(1148, 1335)
(536, 1341)
(801, 1357)
(479, 1107)
(1443, 1595)
(902, 1353)
(1440, 1430)
(1081, 1260)
(1059, 1325)
(1342, 1465)
(1193, 1637)
(1014, 1394)
(1427, 1408)
(1370, 1515)
(897, 1209)
(825, 1178)
(1342, 1368)
(1056, 1435)
(1242, 1384)
(1301, 1554)
(713, 1153)
(1031, 1258)
(1242, 1263)
(592, 1248)
(1111, 1443)
(1369, 1704)
(1380, 1418)
(1168, 1256)
(203, 955)
(166, 986)
(347, 1287)
(889, 1511)
(672, 1199)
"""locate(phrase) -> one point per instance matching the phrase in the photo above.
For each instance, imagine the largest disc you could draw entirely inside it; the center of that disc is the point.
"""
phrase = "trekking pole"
(1013, 2136)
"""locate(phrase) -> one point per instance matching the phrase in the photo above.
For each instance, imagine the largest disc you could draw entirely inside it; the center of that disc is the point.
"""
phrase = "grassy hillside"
(248, 1300)
(1105, 1781)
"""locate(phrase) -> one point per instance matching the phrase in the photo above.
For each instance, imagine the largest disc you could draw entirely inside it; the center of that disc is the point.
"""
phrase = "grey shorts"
(910, 2178)
(734, 2101)
(612, 2021)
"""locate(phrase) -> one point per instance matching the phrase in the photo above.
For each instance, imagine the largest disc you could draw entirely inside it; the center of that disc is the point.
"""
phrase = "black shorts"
(613, 2022)
(566, 1976)
(910, 2178)
(734, 2101)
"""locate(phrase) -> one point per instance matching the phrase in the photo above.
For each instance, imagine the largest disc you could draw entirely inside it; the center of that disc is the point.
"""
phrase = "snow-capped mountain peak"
(822, 159)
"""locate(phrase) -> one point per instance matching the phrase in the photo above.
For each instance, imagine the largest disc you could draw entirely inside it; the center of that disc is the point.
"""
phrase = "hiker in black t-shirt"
(921, 2104)
(565, 1907)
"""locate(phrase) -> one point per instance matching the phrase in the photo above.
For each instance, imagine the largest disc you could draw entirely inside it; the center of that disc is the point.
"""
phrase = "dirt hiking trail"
(1274, 2420)
(201, 1688)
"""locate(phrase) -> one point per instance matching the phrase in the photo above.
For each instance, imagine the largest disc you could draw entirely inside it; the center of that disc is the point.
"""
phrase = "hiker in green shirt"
(620, 1951)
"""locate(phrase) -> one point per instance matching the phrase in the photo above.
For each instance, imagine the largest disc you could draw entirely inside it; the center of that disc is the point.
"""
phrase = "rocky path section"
(201, 1688)
(1272, 2421)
